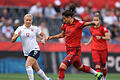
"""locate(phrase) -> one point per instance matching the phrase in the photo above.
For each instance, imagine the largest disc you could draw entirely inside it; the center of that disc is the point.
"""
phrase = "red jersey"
(73, 33)
(98, 44)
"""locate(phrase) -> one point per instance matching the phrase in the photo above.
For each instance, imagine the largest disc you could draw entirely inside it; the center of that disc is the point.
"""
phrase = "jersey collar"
(26, 27)
(73, 22)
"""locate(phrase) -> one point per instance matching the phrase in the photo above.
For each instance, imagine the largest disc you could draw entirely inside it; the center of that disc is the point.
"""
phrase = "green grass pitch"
(81, 76)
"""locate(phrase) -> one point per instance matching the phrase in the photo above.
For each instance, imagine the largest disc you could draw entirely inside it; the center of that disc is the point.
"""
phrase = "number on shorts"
(35, 52)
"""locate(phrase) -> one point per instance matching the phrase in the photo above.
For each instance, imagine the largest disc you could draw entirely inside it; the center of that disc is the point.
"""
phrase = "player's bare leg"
(39, 71)
(29, 62)
(35, 66)
(62, 70)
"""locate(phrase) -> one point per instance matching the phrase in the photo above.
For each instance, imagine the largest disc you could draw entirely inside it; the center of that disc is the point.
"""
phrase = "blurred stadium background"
(47, 16)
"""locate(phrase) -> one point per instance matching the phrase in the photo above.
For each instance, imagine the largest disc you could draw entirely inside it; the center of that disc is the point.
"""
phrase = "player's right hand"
(49, 38)
(43, 42)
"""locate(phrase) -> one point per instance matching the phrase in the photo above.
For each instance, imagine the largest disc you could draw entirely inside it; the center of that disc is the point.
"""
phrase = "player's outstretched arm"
(61, 35)
(43, 40)
(90, 40)
(106, 37)
(93, 23)
(15, 36)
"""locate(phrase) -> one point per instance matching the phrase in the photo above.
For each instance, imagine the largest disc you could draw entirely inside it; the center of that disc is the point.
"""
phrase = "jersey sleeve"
(81, 24)
(105, 29)
(38, 31)
(90, 30)
(63, 27)
(12, 30)
(17, 30)
(3, 29)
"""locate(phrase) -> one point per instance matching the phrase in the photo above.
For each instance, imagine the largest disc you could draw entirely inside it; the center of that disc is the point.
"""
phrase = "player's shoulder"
(20, 27)
(34, 27)
(103, 26)
(78, 20)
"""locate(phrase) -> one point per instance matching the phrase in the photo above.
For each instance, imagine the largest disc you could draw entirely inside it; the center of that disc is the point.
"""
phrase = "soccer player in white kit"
(31, 50)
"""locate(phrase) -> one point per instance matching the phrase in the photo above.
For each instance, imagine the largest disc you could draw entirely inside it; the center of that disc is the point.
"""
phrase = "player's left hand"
(43, 42)
(98, 37)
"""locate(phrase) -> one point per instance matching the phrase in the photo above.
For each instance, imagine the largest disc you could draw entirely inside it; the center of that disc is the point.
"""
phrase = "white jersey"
(28, 38)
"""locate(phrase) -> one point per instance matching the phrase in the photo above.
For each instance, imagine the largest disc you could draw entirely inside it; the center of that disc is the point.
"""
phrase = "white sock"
(42, 74)
(30, 72)
(104, 78)
(93, 71)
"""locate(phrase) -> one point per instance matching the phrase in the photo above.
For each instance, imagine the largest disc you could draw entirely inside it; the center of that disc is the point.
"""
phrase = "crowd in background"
(49, 19)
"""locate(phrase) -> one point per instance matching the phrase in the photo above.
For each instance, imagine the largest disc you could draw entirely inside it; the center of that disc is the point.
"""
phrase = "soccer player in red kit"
(72, 31)
(100, 35)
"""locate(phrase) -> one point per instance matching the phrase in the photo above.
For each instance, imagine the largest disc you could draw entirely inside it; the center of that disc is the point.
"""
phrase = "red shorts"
(73, 57)
(100, 56)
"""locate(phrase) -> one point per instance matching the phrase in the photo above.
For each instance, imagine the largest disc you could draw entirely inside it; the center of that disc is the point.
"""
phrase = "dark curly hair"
(69, 12)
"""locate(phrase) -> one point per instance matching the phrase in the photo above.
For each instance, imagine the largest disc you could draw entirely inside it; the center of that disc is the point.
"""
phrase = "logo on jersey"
(27, 34)
(32, 30)
(35, 52)
(105, 29)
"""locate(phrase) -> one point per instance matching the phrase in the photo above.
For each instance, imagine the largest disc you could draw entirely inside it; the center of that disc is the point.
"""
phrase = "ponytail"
(72, 8)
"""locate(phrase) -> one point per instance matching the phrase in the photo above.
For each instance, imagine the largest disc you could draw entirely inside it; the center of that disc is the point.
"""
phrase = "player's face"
(96, 19)
(28, 21)
(66, 19)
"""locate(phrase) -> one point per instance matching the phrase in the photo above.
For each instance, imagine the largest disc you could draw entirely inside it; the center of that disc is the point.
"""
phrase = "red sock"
(97, 69)
(85, 68)
(61, 74)
(104, 71)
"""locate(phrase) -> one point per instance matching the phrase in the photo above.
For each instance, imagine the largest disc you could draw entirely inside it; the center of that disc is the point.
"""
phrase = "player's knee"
(27, 64)
(97, 66)
(80, 67)
(63, 66)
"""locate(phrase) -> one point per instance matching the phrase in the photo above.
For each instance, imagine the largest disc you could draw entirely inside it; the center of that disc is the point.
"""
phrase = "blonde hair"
(28, 15)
